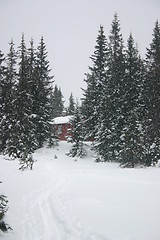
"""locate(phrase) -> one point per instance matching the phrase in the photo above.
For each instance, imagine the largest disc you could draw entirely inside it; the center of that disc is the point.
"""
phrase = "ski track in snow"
(50, 207)
(66, 200)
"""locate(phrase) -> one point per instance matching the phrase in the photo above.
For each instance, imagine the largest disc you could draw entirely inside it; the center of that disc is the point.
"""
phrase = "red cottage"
(63, 127)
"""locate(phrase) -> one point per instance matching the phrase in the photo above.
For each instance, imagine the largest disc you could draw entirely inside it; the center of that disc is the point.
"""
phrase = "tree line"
(121, 104)
(28, 101)
(119, 110)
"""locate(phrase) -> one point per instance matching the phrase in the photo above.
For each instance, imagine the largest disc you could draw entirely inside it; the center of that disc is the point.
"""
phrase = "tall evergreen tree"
(71, 107)
(111, 117)
(152, 98)
(88, 104)
(57, 103)
(10, 99)
(132, 133)
(2, 100)
(25, 143)
(95, 81)
(116, 71)
(77, 134)
(43, 94)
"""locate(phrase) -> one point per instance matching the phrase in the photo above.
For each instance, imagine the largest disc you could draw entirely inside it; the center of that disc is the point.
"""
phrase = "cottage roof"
(62, 120)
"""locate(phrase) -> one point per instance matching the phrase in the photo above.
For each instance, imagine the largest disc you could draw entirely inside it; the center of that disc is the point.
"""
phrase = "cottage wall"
(64, 131)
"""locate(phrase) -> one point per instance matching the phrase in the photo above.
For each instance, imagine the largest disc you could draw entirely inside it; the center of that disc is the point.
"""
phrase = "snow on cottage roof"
(62, 120)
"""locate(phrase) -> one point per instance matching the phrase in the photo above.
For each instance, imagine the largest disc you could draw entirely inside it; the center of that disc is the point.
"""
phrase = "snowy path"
(44, 212)
(66, 200)
(49, 206)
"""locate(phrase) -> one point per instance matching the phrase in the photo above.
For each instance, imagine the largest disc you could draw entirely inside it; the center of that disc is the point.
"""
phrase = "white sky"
(70, 29)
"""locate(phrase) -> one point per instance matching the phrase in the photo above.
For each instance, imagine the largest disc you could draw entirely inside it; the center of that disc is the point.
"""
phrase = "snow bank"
(64, 199)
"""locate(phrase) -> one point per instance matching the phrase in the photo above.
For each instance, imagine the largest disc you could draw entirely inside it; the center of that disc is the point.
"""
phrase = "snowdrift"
(64, 199)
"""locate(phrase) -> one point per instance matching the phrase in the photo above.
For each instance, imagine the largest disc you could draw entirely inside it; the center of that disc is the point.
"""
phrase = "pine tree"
(111, 116)
(88, 104)
(25, 101)
(23, 143)
(43, 94)
(3, 210)
(152, 99)
(57, 103)
(71, 107)
(10, 100)
(132, 135)
(77, 135)
(116, 73)
(2, 100)
(95, 80)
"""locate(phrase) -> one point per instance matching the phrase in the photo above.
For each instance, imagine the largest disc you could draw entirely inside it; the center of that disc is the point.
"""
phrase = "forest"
(119, 111)
(120, 108)
(121, 105)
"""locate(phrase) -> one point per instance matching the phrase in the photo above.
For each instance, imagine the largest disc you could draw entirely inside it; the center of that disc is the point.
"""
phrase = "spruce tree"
(116, 73)
(95, 81)
(25, 143)
(88, 104)
(10, 100)
(57, 103)
(2, 100)
(111, 117)
(77, 135)
(152, 99)
(71, 107)
(4, 227)
(43, 94)
(132, 141)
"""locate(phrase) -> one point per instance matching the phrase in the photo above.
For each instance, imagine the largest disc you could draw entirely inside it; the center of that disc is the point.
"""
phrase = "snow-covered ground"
(64, 199)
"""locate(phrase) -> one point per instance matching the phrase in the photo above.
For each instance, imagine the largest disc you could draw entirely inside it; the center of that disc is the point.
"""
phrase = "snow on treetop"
(62, 120)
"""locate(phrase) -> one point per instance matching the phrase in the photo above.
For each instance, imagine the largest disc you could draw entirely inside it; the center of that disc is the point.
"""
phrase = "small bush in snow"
(3, 209)
(26, 161)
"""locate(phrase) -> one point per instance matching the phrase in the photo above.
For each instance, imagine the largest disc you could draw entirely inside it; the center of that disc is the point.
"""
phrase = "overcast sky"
(70, 29)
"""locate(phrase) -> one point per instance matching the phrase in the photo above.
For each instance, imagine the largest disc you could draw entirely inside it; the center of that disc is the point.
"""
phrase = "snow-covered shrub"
(3, 209)
(26, 161)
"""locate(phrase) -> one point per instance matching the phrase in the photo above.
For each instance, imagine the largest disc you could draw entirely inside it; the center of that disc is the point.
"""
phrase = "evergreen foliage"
(111, 115)
(53, 137)
(132, 140)
(26, 161)
(25, 101)
(4, 227)
(77, 135)
(26, 141)
(152, 99)
(71, 107)
(57, 103)
(10, 114)
(2, 100)
(95, 81)
(122, 109)
(43, 96)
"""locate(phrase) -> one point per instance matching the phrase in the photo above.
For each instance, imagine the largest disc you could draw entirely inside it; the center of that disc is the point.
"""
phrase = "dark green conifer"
(43, 94)
(111, 114)
(71, 107)
(2, 100)
(57, 103)
(77, 135)
(132, 140)
(4, 227)
(95, 82)
(152, 99)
